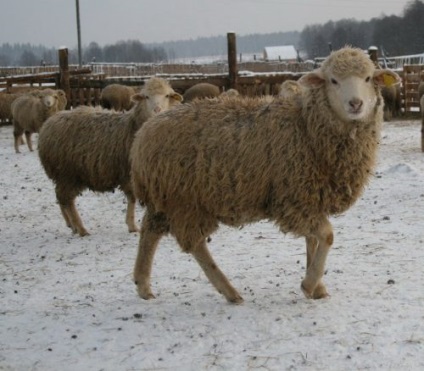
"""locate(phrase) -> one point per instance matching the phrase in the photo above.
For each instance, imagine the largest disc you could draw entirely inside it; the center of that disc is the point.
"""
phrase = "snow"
(69, 303)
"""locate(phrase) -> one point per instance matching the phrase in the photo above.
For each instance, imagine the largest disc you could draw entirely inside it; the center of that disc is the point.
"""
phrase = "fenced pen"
(84, 85)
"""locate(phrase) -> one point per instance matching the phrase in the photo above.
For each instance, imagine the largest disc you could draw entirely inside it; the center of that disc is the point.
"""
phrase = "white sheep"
(289, 88)
(29, 112)
(235, 161)
(89, 148)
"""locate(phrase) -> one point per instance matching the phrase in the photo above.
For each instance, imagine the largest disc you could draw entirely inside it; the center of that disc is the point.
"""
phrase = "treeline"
(394, 35)
(122, 51)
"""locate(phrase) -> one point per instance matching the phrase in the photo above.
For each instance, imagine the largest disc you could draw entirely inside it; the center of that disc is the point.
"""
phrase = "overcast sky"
(53, 22)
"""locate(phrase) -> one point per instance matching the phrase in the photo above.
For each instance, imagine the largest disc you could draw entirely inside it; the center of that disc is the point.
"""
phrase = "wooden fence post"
(232, 60)
(64, 82)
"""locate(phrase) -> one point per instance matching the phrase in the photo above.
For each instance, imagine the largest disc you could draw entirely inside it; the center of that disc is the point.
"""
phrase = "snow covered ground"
(69, 303)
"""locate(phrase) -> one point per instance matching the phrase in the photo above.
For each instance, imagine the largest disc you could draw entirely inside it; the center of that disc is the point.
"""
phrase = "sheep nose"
(157, 109)
(356, 104)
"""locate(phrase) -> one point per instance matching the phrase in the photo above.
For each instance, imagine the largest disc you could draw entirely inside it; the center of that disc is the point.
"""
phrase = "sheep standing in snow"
(236, 161)
(6, 101)
(201, 91)
(392, 101)
(29, 112)
(117, 97)
(89, 148)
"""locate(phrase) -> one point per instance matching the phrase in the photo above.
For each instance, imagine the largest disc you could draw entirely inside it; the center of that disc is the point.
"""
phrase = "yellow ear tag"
(389, 80)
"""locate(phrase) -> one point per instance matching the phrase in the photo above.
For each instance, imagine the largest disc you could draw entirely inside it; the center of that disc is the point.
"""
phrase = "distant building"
(286, 53)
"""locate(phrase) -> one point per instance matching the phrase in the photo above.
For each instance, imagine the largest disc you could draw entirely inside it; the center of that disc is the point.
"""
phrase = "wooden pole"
(64, 82)
(232, 60)
(78, 34)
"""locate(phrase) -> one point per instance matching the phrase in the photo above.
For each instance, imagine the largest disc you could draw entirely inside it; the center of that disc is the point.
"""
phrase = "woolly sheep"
(117, 97)
(289, 88)
(89, 148)
(6, 101)
(392, 101)
(201, 91)
(30, 111)
(236, 161)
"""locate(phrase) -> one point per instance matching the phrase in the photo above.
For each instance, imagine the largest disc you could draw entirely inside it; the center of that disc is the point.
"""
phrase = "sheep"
(89, 148)
(117, 97)
(200, 91)
(230, 93)
(236, 161)
(30, 111)
(289, 88)
(392, 101)
(6, 101)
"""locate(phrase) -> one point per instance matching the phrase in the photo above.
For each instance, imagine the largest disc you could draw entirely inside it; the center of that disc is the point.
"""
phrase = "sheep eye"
(334, 81)
(368, 79)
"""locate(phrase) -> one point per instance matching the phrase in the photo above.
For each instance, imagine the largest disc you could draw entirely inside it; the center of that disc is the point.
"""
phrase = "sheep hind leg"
(153, 227)
(69, 211)
(28, 140)
(317, 250)
(214, 274)
(130, 217)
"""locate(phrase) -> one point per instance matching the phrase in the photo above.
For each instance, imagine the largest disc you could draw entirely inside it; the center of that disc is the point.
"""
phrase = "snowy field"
(69, 303)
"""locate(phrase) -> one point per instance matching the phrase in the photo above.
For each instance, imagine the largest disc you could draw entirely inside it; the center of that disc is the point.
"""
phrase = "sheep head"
(351, 83)
(157, 96)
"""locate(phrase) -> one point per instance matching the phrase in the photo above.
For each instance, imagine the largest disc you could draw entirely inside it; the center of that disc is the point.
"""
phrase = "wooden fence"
(83, 86)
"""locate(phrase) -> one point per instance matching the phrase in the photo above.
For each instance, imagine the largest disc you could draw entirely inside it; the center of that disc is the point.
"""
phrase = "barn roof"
(284, 52)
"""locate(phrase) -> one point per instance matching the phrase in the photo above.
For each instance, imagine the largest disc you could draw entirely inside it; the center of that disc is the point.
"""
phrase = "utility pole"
(79, 34)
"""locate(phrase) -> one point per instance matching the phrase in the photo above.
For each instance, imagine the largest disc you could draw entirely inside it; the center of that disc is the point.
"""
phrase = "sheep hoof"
(319, 292)
(236, 300)
(83, 233)
(144, 294)
(133, 230)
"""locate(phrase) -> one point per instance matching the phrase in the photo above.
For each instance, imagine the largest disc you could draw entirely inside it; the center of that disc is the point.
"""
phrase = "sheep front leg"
(214, 274)
(316, 251)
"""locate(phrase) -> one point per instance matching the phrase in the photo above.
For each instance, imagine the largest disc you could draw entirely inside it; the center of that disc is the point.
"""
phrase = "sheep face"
(49, 100)
(157, 102)
(351, 83)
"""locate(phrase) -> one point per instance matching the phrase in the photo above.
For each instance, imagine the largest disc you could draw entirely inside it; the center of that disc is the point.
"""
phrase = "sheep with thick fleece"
(30, 111)
(6, 101)
(117, 97)
(235, 161)
(289, 88)
(200, 91)
(89, 148)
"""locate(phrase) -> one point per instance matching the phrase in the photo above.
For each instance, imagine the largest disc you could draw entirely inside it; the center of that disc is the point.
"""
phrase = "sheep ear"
(138, 97)
(386, 78)
(313, 79)
(177, 97)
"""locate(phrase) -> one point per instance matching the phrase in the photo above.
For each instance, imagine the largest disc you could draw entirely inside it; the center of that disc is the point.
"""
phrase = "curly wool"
(242, 160)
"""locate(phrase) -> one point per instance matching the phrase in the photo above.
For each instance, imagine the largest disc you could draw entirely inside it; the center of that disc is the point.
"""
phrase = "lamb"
(201, 91)
(89, 148)
(117, 97)
(235, 161)
(30, 111)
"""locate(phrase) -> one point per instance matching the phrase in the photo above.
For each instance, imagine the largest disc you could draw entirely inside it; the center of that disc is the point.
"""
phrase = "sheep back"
(201, 91)
(117, 97)
(87, 148)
